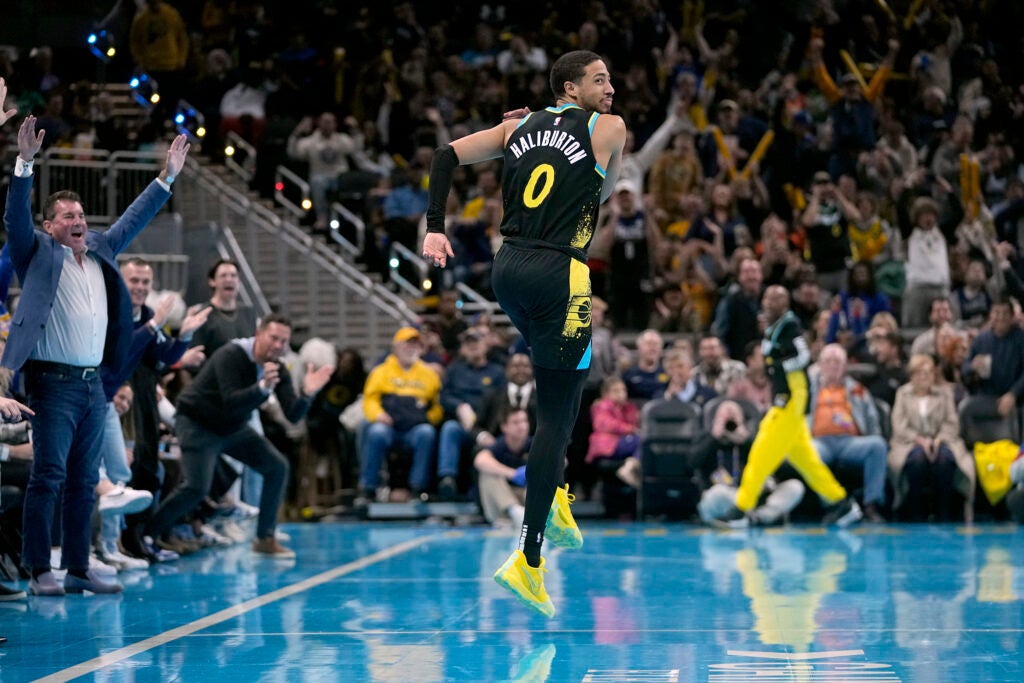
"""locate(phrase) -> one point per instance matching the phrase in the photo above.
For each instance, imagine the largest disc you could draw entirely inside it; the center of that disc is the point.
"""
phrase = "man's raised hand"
(314, 380)
(29, 142)
(176, 154)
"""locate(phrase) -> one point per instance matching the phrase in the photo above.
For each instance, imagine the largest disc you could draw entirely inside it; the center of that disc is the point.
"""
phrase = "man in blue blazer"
(74, 315)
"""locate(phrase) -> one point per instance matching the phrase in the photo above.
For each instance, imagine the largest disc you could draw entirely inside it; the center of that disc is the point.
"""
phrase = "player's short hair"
(570, 67)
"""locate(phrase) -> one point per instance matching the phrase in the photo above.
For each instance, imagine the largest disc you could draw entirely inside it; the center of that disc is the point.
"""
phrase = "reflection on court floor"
(398, 602)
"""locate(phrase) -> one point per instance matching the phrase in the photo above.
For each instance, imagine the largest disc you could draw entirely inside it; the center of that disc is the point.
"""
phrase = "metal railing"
(288, 182)
(170, 271)
(251, 292)
(340, 216)
(239, 156)
(209, 198)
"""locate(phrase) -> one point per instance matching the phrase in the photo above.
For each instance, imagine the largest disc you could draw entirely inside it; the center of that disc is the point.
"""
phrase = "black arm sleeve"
(441, 170)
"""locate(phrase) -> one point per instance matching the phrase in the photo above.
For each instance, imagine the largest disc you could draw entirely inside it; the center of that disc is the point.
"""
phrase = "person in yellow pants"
(783, 433)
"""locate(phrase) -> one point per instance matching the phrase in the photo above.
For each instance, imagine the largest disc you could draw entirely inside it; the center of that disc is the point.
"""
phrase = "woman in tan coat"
(926, 448)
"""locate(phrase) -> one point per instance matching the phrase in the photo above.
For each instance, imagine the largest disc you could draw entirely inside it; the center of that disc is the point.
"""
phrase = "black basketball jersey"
(786, 357)
(551, 186)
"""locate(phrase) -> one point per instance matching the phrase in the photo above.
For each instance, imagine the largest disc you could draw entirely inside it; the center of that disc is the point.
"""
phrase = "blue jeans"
(67, 430)
(114, 463)
(869, 452)
(449, 448)
(200, 450)
(380, 438)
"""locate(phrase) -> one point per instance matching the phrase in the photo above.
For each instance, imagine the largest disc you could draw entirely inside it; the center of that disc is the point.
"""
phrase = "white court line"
(129, 651)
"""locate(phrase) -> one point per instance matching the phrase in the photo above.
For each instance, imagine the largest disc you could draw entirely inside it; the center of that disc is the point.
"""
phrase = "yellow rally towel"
(992, 461)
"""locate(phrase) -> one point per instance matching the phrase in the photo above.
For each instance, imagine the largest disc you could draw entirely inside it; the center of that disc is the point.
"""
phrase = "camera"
(731, 425)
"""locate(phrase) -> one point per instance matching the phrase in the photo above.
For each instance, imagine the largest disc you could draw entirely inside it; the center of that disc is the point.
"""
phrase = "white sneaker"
(209, 536)
(234, 532)
(100, 567)
(123, 562)
(124, 500)
(244, 511)
(282, 536)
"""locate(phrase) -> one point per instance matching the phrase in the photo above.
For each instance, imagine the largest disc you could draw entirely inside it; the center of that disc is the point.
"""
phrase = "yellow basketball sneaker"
(526, 582)
(561, 528)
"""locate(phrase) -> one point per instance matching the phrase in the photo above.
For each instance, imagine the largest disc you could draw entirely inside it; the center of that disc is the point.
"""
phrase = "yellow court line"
(94, 665)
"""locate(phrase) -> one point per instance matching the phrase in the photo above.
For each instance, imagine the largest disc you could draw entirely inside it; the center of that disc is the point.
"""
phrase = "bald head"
(775, 302)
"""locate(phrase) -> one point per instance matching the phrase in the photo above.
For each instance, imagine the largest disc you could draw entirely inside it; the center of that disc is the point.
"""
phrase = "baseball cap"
(406, 334)
(728, 104)
(625, 185)
(848, 78)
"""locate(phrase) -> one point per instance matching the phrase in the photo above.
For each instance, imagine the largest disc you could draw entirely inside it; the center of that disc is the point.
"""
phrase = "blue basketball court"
(639, 602)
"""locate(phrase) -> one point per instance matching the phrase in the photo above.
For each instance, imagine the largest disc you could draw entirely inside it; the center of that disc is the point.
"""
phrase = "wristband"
(169, 179)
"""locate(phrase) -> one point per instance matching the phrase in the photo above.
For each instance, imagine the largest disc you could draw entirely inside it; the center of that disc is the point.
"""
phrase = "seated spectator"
(462, 393)
(616, 430)
(501, 471)
(682, 384)
(890, 374)
(846, 428)
(995, 363)
(517, 392)
(855, 307)
(716, 370)
(243, 108)
(734, 439)
(755, 386)
(645, 379)
(971, 301)
(402, 405)
(926, 449)
(940, 312)
(953, 347)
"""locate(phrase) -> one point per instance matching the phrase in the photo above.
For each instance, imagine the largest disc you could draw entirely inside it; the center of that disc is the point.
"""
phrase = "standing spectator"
(159, 45)
(846, 427)
(926, 447)
(634, 241)
(995, 363)
(326, 150)
(645, 379)
(149, 343)
(736, 322)
(462, 393)
(213, 418)
(401, 401)
(825, 219)
(675, 174)
(228, 319)
(501, 468)
(716, 370)
(928, 274)
(971, 301)
(854, 307)
(69, 322)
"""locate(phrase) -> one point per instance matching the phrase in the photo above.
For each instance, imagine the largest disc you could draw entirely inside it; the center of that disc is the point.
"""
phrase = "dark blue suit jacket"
(38, 261)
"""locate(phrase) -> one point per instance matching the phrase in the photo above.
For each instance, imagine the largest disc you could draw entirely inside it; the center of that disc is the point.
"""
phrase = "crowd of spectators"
(865, 155)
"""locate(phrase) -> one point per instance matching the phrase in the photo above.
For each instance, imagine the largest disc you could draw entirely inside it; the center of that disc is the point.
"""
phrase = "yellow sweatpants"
(784, 434)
